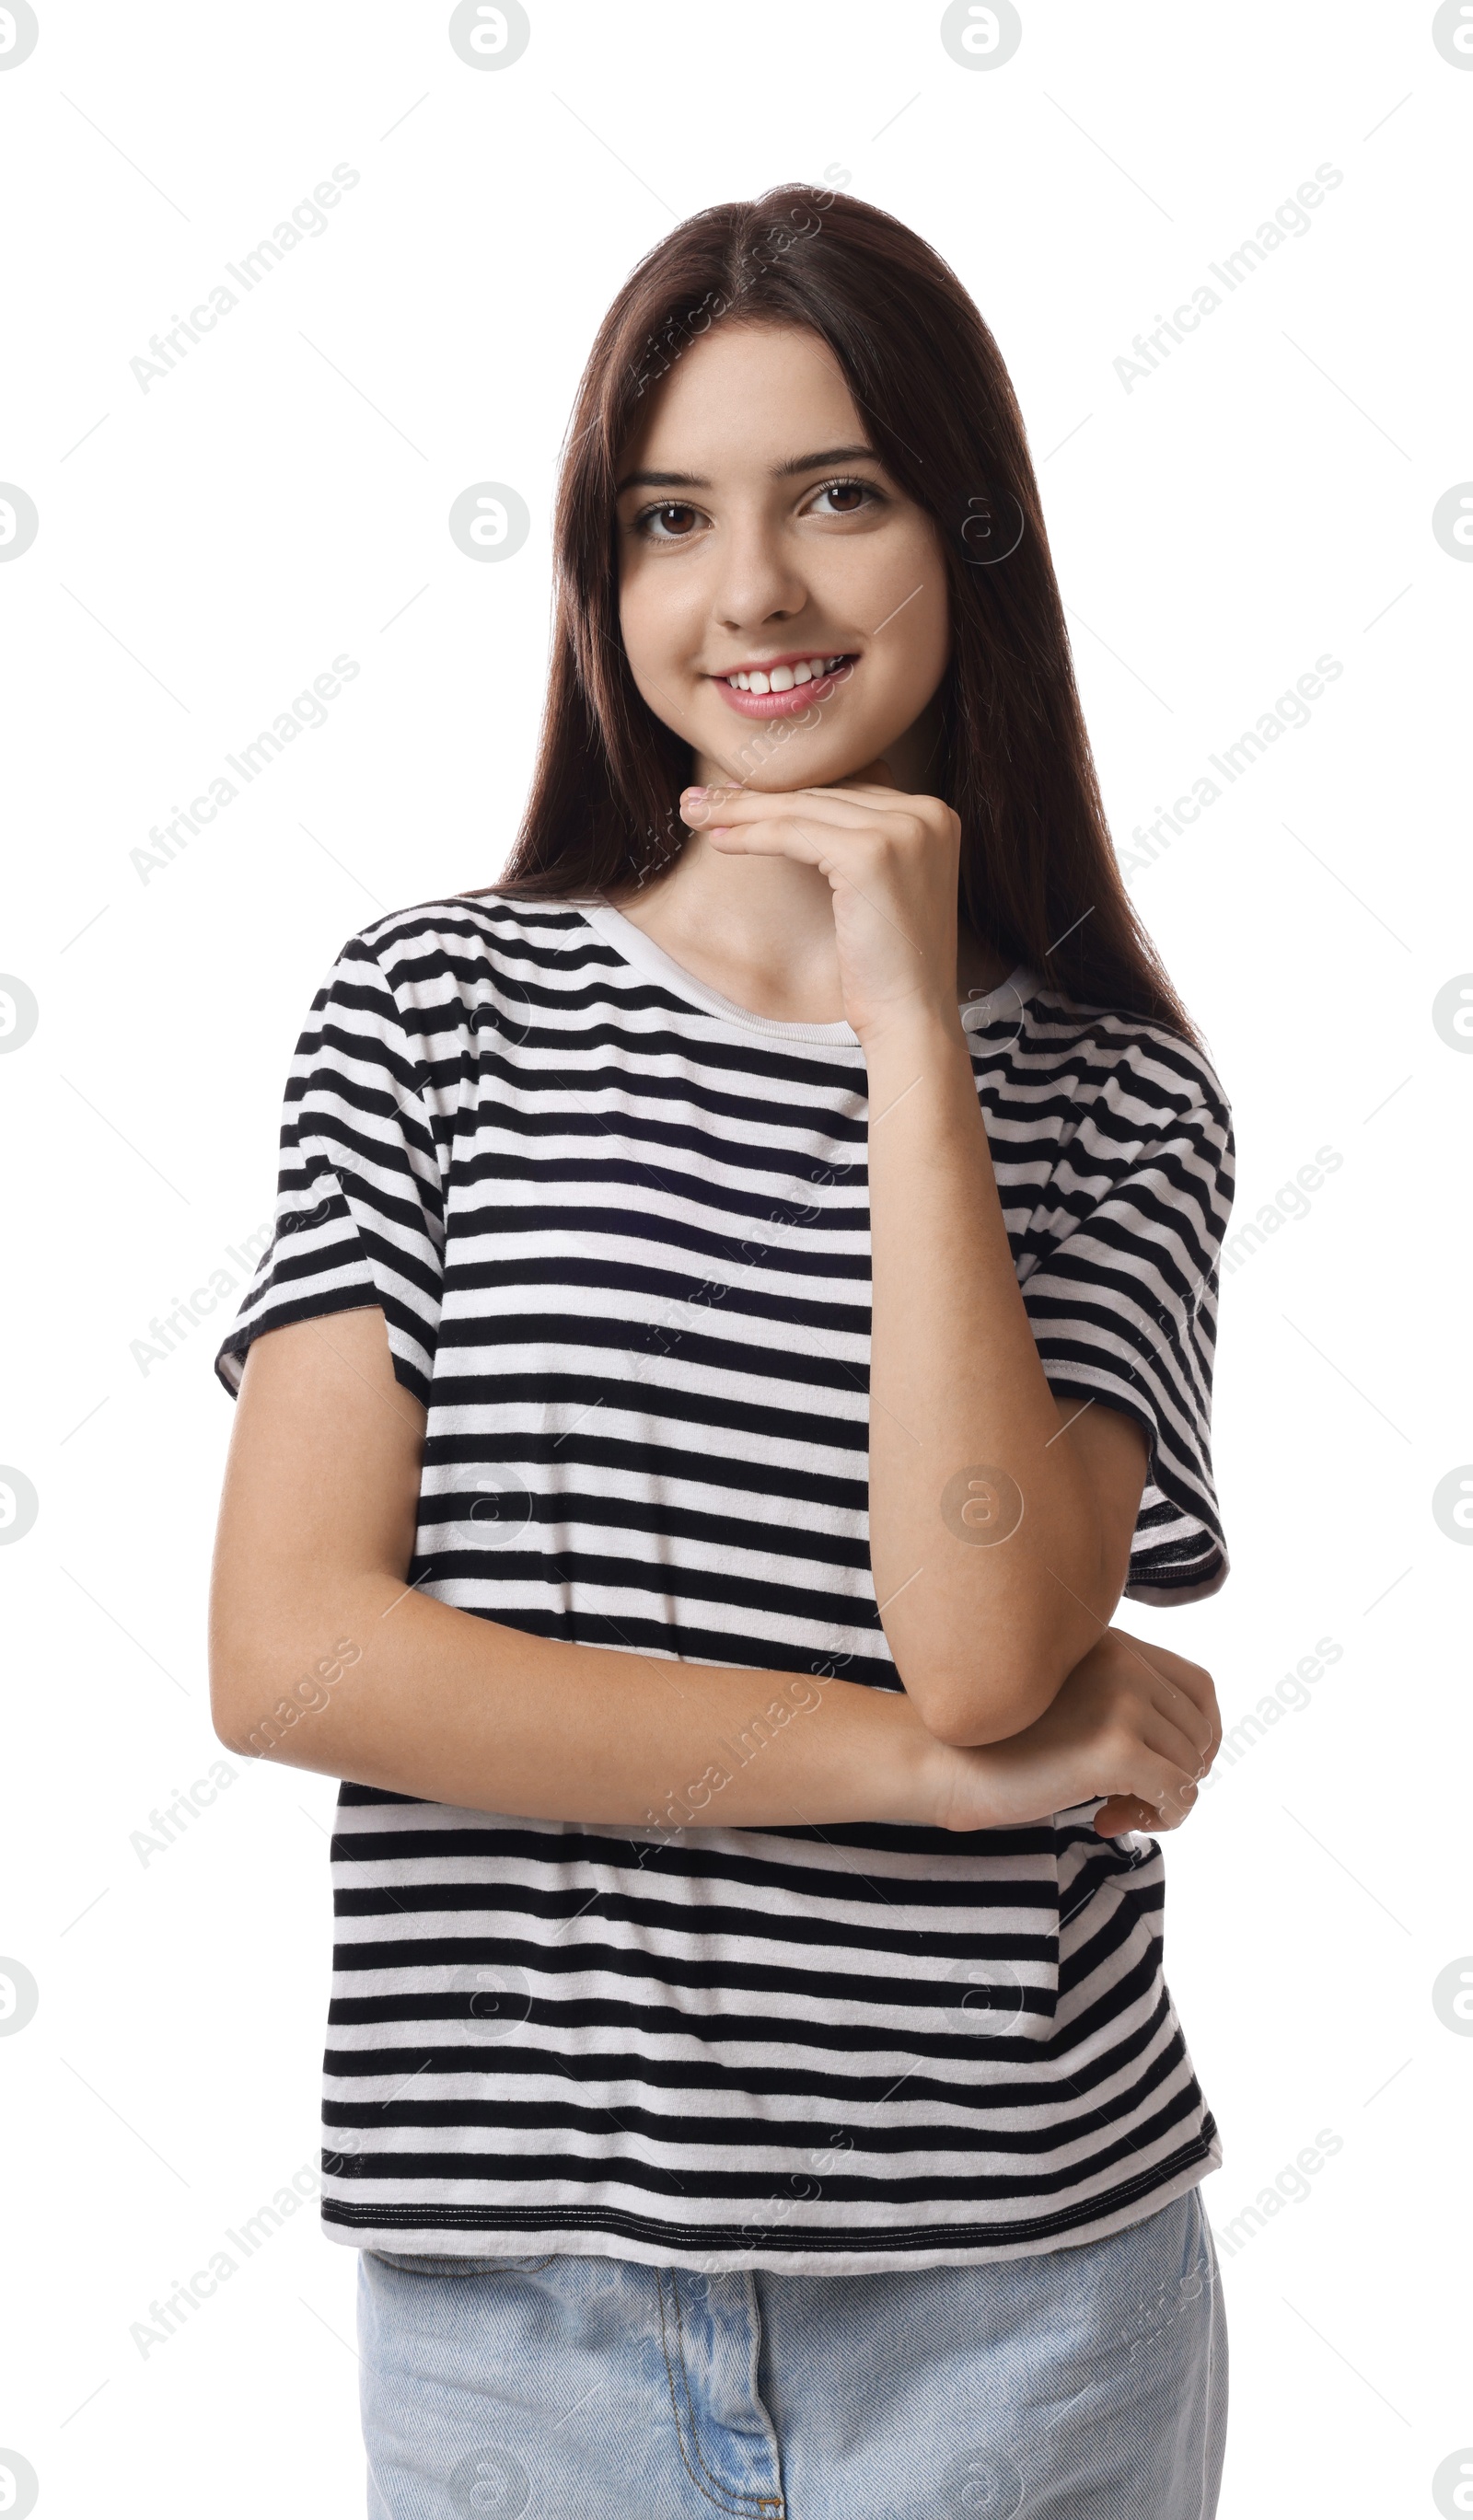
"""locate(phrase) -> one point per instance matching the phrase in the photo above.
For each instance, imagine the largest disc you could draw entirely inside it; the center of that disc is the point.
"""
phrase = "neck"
(761, 930)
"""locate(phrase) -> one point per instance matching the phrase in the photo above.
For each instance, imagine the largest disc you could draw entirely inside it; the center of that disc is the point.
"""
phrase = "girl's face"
(759, 537)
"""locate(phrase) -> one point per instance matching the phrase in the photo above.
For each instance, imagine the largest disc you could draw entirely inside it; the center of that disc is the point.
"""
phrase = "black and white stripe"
(619, 1228)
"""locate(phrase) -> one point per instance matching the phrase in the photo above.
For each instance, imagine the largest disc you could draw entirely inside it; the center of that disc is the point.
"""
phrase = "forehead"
(741, 400)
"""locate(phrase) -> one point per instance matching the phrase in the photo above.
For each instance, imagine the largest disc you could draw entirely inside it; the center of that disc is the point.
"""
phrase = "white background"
(207, 546)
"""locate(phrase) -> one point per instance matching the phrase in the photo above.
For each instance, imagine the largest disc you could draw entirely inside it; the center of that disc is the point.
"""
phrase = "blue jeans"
(1082, 2384)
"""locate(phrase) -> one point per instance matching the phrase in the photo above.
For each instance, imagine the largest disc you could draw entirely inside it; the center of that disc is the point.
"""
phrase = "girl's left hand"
(891, 862)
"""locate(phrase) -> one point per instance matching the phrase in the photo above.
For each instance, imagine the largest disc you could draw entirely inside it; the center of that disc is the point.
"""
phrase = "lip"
(781, 703)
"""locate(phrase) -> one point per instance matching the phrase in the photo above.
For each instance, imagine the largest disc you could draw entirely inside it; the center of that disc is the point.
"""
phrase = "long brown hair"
(1039, 877)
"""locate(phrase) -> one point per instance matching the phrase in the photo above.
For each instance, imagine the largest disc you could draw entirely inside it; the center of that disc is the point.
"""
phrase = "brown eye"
(670, 523)
(846, 499)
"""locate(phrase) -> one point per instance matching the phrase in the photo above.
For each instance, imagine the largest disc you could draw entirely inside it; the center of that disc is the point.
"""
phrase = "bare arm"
(322, 1659)
(1000, 1517)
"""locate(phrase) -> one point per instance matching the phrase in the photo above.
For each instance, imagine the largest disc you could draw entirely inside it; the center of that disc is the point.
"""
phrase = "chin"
(772, 767)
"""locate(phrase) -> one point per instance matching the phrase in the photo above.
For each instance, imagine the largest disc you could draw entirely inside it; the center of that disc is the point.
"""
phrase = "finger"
(1160, 1780)
(1189, 1677)
(1123, 1813)
(1160, 1735)
(787, 838)
(1194, 1683)
(1174, 1803)
(1177, 1807)
(1174, 1707)
(721, 807)
(1171, 1673)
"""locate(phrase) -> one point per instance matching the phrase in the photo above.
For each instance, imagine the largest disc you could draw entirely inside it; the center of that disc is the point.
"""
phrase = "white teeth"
(785, 678)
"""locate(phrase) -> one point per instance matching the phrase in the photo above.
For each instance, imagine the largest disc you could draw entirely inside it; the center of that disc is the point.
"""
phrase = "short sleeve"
(1122, 1300)
(359, 1213)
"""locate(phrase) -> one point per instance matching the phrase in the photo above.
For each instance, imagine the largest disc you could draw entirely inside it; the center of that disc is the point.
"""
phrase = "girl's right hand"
(1133, 1722)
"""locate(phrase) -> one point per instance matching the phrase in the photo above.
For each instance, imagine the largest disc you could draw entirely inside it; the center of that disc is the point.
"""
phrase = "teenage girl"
(740, 1318)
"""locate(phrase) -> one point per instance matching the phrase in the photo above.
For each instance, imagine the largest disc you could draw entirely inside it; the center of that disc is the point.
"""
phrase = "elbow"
(235, 1710)
(254, 1706)
(245, 1618)
(969, 1704)
(227, 1694)
(971, 1717)
(251, 1723)
(269, 1690)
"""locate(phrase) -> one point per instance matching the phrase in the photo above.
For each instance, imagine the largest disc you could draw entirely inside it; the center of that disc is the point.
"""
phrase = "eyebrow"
(796, 463)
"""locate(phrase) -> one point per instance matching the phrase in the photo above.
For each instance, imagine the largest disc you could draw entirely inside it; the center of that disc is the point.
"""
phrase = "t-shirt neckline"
(633, 946)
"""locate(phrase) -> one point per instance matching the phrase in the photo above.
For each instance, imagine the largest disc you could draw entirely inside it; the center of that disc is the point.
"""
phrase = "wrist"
(913, 1037)
(999, 1784)
(921, 1773)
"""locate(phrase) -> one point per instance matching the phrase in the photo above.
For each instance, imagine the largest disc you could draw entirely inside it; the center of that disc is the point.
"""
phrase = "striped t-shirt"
(619, 1228)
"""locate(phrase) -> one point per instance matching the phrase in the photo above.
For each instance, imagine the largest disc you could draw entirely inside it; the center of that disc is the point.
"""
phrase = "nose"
(758, 578)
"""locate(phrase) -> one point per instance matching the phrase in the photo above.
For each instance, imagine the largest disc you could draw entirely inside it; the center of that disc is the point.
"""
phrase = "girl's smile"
(785, 686)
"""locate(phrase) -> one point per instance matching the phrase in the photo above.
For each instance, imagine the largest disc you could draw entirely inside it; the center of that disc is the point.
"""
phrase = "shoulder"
(465, 931)
(436, 959)
(1125, 1070)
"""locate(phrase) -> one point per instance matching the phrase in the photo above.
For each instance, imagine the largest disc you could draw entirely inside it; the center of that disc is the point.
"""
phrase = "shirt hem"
(588, 2231)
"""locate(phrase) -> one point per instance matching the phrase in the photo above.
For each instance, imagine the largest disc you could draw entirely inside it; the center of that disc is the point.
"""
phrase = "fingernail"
(691, 791)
